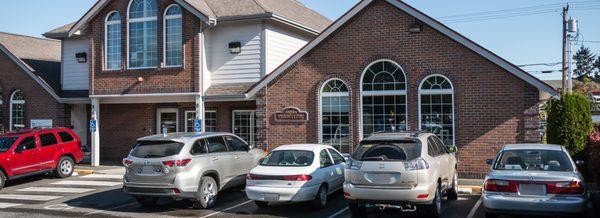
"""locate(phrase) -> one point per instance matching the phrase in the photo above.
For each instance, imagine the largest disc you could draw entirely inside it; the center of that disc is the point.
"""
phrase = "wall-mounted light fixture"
(415, 27)
(235, 47)
(81, 57)
(141, 79)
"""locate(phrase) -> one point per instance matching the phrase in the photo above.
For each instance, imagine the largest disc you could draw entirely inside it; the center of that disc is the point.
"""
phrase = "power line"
(540, 64)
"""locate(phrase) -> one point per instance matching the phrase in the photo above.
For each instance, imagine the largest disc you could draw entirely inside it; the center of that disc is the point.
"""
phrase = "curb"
(467, 189)
(84, 172)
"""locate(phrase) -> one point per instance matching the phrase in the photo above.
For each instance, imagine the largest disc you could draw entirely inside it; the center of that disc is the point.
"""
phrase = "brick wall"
(492, 107)
(39, 104)
(157, 80)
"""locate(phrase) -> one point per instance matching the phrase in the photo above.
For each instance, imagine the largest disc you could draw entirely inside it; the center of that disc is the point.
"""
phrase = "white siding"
(281, 44)
(74, 74)
(244, 67)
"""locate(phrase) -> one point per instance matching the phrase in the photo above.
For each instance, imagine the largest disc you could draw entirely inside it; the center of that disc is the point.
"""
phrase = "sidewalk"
(105, 168)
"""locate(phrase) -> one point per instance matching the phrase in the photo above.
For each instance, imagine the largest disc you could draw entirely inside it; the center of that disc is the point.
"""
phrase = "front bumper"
(366, 194)
(285, 194)
(509, 204)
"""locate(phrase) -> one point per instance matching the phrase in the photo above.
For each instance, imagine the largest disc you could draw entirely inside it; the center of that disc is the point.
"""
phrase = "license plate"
(383, 178)
(150, 170)
(532, 189)
(271, 197)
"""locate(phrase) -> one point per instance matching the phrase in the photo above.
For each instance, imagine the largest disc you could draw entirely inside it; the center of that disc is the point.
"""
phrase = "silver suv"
(193, 166)
(401, 170)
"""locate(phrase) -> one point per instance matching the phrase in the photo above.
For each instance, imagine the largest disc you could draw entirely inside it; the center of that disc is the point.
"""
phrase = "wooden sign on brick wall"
(291, 115)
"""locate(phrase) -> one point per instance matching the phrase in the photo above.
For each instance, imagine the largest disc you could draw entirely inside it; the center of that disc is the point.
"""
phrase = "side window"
(236, 144)
(65, 137)
(432, 147)
(216, 145)
(27, 144)
(48, 139)
(199, 147)
(337, 157)
(441, 147)
(325, 159)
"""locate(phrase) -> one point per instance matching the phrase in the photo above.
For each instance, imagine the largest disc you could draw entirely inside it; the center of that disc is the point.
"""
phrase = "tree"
(597, 66)
(584, 62)
(569, 122)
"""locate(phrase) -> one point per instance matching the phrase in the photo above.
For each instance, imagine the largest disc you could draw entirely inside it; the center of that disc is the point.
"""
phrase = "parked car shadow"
(29, 179)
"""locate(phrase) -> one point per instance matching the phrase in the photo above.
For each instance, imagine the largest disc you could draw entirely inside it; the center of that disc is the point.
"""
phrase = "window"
(6, 143)
(433, 148)
(173, 38)
(436, 96)
(142, 24)
(335, 115)
(113, 41)
(17, 111)
(324, 159)
(383, 94)
(156, 149)
(210, 121)
(48, 139)
(534, 160)
(289, 158)
(199, 147)
(236, 144)
(216, 145)
(65, 137)
(27, 144)
(337, 157)
(244, 125)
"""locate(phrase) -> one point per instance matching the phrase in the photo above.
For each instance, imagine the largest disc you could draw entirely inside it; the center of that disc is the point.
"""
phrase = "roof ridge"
(27, 36)
(262, 6)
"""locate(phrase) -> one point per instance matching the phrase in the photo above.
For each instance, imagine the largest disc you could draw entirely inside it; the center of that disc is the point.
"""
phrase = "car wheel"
(147, 201)
(65, 167)
(2, 179)
(452, 193)
(435, 208)
(357, 209)
(207, 193)
(320, 201)
(261, 204)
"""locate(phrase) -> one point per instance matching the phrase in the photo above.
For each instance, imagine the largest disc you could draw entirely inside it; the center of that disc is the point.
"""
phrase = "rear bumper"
(186, 185)
(364, 194)
(257, 193)
(502, 204)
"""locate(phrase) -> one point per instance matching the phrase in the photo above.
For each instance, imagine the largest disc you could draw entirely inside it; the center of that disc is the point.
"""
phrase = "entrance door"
(167, 120)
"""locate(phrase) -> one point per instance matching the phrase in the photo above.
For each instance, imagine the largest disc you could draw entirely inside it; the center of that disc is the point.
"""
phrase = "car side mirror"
(579, 163)
(489, 161)
(452, 149)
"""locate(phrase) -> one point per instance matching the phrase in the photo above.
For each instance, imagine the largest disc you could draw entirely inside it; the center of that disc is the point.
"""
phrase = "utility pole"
(565, 13)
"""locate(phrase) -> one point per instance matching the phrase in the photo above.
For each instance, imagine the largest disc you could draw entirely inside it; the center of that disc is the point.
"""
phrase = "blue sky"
(521, 40)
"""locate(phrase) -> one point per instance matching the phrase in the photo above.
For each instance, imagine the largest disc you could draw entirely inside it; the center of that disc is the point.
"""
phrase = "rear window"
(292, 158)
(48, 139)
(156, 149)
(6, 142)
(387, 151)
(533, 160)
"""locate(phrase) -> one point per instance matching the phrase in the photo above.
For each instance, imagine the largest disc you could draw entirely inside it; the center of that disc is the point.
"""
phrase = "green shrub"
(569, 122)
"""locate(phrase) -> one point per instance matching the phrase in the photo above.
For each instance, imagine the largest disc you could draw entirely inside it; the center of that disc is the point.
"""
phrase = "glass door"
(167, 120)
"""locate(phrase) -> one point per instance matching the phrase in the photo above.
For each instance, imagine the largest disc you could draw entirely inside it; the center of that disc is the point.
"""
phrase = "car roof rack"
(412, 133)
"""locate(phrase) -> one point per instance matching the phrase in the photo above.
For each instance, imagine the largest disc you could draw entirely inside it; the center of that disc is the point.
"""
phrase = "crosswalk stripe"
(87, 183)
(55, 190)
(7, 205)
(102, 176)
(28, 197)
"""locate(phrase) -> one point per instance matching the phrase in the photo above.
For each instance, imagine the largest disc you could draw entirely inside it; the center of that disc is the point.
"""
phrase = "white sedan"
(297, 173)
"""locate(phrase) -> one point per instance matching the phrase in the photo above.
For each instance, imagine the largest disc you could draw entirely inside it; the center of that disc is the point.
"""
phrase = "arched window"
(383, 94)
(436, 113)
(17, 111)
(173, 40)
(142, 19)
(335, 115)
(113, 41)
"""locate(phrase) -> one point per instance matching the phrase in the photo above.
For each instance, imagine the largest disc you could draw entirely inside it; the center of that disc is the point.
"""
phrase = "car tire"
(64, 167)
(207, 193)
(452, 193)
(320, 200)
(2, 179)
(357, 209)
(147, 201)
(261, 204)
(434, 210)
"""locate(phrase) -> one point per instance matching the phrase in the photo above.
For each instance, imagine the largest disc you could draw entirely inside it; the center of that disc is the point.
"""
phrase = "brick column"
(531, 116)
(261, 120)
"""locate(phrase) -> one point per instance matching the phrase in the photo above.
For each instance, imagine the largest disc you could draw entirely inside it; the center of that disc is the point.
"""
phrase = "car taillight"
(353, 164)
(178, 163)
(501, 186)
(416, 164)
(250, 176)
(297, 178)
(565, 188)
(127, 162)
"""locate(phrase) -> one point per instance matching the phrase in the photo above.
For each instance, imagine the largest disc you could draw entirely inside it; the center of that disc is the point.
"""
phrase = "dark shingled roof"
(60, 32)
(228, 89)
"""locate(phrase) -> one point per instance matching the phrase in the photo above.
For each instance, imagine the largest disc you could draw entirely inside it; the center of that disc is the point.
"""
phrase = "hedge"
(569, 122)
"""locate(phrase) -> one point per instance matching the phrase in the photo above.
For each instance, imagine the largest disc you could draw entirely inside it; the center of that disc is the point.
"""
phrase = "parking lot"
(100, 195)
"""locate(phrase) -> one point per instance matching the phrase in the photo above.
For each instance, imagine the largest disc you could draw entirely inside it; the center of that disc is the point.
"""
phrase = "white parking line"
(102, 176)
(87, 183)
(339, 212)
(7, 205)
(28, 197)
(110, 209)
(475, 208)
(56, 190)
(218, 212)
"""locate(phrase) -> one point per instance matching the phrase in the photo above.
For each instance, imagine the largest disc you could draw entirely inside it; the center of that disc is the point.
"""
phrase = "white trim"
(160, 111)
(185, 119)
(106, 24)
(419, 15)
(10, 109)
(331, 94)
(164, 32)
(145, 95)
(439, 92)
(252, 124)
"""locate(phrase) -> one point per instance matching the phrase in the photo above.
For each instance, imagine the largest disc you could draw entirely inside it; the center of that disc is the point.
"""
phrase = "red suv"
(30, 152)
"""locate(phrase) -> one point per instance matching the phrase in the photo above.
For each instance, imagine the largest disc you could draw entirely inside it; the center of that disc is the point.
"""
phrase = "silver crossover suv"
(401, 170)
(193, 166)
(534, 179)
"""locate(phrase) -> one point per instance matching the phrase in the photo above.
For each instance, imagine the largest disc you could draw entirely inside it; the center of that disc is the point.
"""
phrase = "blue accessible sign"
(93, 126)
(198, 125)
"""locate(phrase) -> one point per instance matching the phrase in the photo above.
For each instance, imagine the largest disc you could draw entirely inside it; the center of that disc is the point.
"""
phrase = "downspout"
(200, 114)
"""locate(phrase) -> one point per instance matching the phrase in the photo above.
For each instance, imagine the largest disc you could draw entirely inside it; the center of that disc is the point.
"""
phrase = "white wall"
(281, 43)
(74, 74)
(244, 67)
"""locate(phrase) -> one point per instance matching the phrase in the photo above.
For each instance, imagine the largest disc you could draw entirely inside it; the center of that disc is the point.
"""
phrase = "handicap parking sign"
(198, 125)
(93, 126)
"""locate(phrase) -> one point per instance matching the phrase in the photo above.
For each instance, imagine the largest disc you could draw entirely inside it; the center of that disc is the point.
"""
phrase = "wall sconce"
(81, 57)
(415, 27)
(235, 47)
(140, 79)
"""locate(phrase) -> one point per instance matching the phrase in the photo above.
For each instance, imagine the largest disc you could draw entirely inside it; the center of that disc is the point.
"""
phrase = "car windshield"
(291, 158)
(387, 151)
(6, 142)
(533, 160)
(156, 149)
